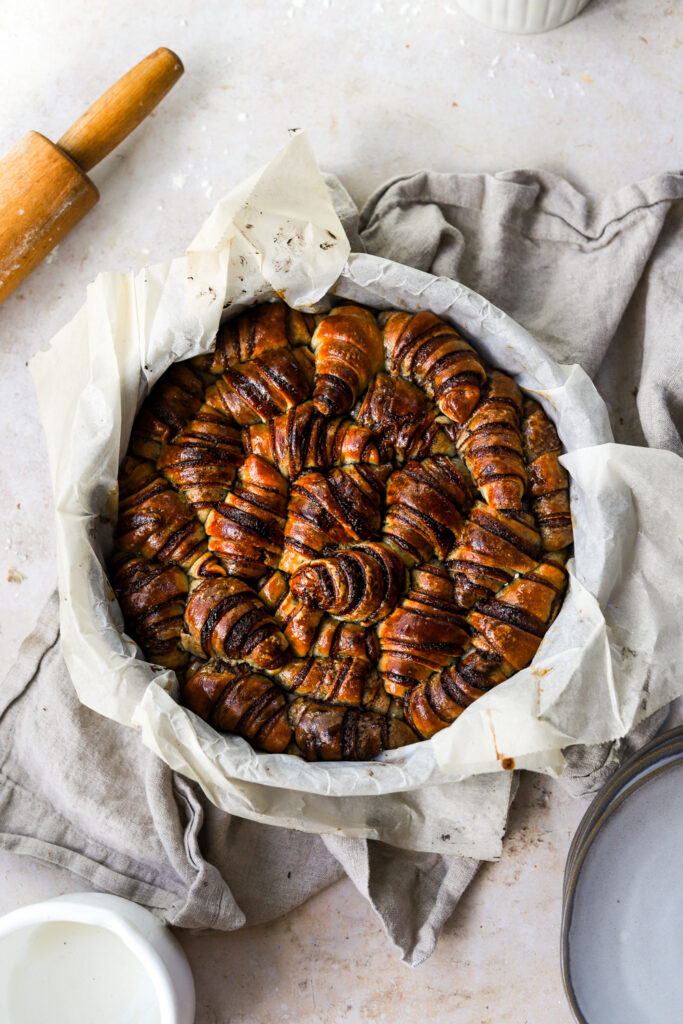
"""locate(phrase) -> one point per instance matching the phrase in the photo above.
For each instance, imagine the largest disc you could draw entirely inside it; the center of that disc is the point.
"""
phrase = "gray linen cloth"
(598, 284)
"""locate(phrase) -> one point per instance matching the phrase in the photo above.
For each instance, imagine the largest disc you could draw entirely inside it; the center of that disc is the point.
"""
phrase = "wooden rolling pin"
(44, 188)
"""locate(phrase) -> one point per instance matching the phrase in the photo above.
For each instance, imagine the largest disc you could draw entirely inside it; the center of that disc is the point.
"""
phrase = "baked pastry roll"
(201, 460)
(246, 530)
(360, 584)
(347, 681)
(490, 443)
(152, 598)
(431, 353)
(548, 480)
(297, 620)
(154, 520)
(348, 352)
(425, 505)
(493, 545)
(423, 634)
(262, 328)
(437, 703)
(513, 623)
(303, 438)
(506, 633)
(170, 405)
(233, 699)
(337, 639)
(325, 511)
(325, 733)
(397, 411)
(225, 619)
(264, 386)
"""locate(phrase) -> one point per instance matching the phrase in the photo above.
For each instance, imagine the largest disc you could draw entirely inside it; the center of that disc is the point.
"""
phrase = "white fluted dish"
(147, 980)
(523, 16)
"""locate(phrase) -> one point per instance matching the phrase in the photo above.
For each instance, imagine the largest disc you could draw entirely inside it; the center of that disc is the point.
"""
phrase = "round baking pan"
(622, 921)
(666, 746)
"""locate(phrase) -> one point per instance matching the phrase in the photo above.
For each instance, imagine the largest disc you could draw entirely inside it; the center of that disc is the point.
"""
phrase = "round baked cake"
(339, 530)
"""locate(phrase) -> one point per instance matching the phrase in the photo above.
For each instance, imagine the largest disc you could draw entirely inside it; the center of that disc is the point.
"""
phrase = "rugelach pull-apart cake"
(340, 529)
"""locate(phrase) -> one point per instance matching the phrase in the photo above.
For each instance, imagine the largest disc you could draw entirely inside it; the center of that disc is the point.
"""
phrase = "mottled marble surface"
(383, 88)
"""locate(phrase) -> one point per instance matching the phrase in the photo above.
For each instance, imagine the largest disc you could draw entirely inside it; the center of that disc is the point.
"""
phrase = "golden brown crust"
(506, 633)
(337, 639)
(433, 705)
(345, 525)
(264, 386)
(154, 520)
(513, 623)
(266, 326)
(326, 511)
(201, 459)
(225, 619)
(431, 353)
(490, 444)
(492, 547)
(327, 733)
(360, 584)
(246, 531)
(152, 599)
(332, 680)
(297, 620)
(425, 505)
(235, 700)
(206, 566)
(348, 352)
(397, 411)
(424, 634)
(170, 405)
(303, 438)
(548, 480)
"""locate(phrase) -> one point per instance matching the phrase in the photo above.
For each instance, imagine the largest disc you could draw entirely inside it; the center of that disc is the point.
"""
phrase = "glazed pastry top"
(340, 529)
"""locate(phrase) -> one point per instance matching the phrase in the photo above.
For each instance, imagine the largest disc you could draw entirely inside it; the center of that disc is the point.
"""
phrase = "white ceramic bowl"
(523, 15)
(151, 942)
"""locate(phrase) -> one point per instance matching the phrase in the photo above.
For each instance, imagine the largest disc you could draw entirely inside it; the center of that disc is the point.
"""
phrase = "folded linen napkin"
(598, 284)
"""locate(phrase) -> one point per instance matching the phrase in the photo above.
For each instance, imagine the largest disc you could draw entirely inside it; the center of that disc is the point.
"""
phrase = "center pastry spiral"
(339, 529)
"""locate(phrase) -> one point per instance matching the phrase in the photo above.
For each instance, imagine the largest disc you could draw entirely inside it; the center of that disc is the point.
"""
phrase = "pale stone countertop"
(383, 88)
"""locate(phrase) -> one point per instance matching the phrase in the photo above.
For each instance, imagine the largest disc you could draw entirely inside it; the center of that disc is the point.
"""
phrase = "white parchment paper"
(608, 660)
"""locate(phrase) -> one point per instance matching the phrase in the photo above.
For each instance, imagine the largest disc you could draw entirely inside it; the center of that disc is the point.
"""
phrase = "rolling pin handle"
(121, 109)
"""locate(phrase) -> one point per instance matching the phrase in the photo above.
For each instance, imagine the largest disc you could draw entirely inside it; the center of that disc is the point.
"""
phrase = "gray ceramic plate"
(622, 931)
